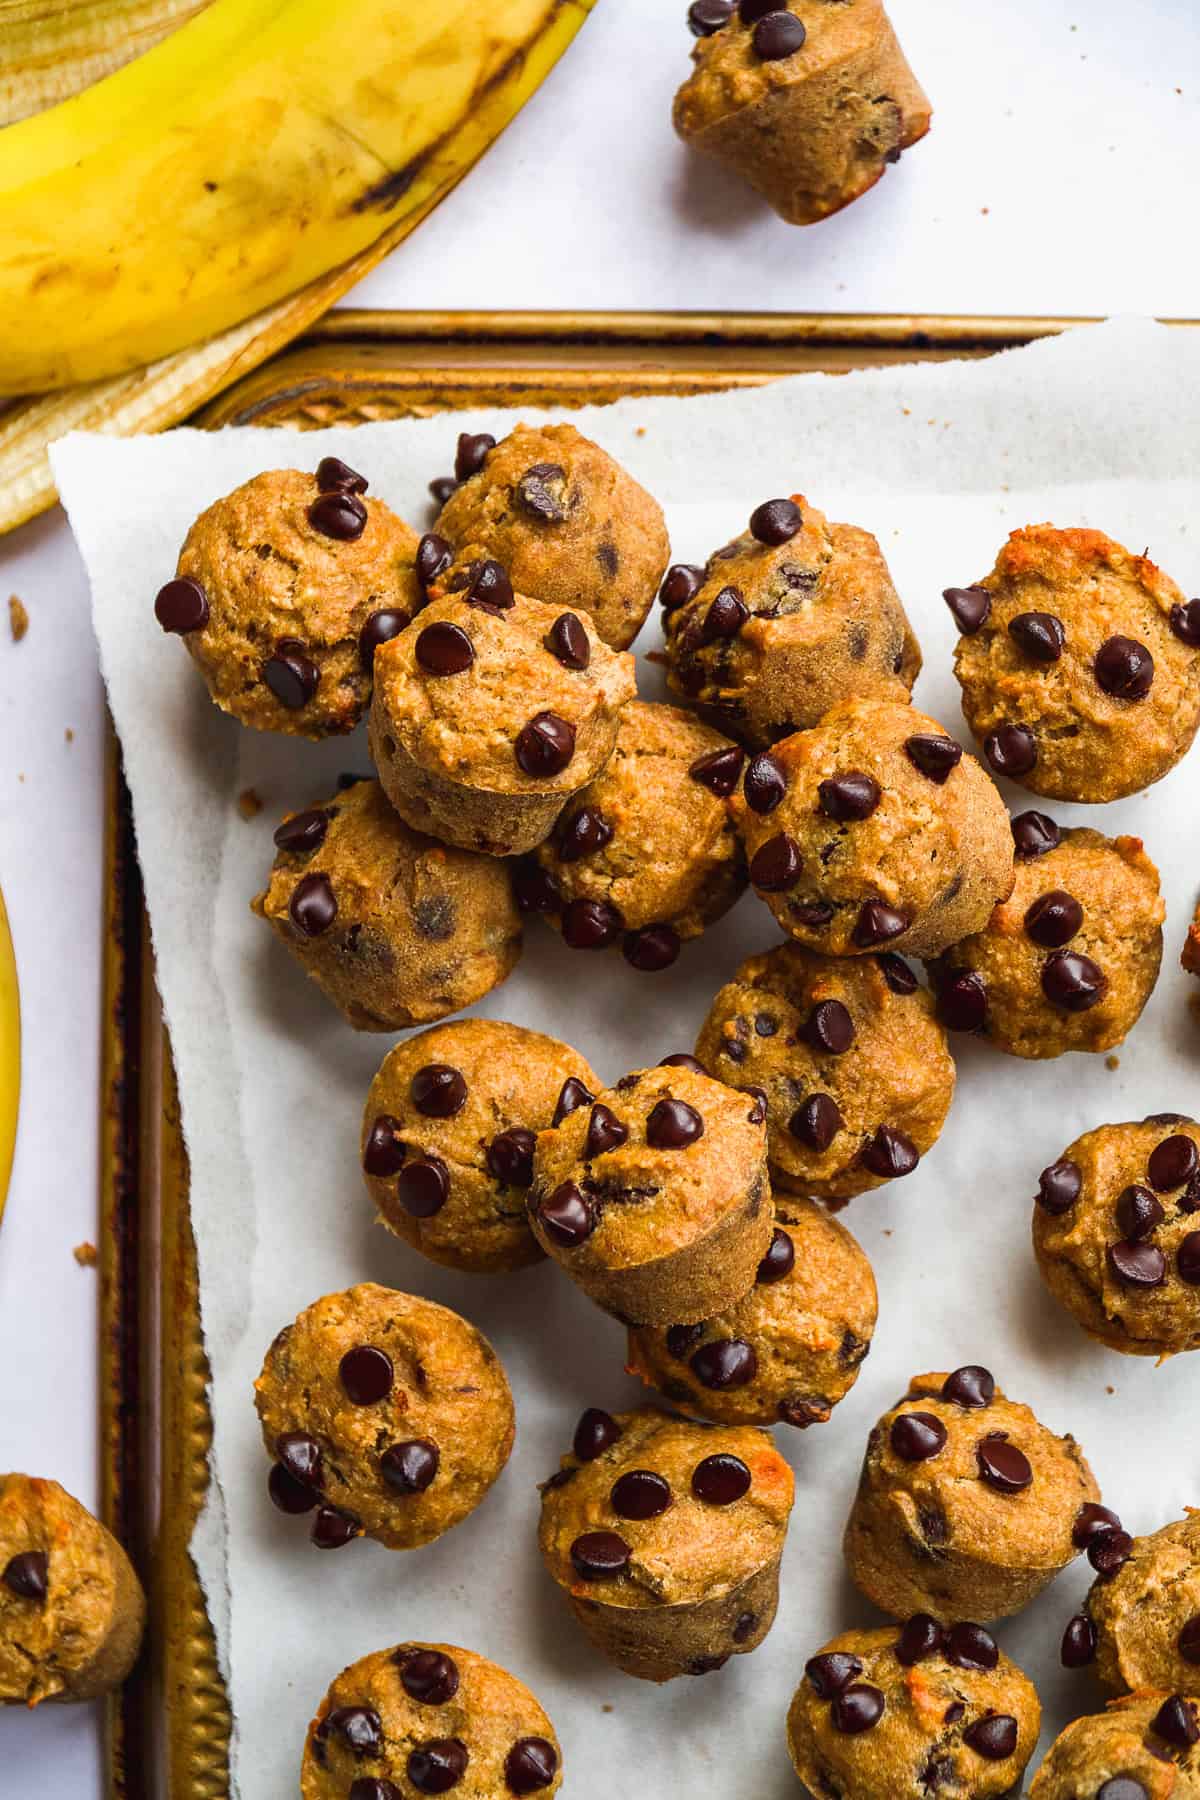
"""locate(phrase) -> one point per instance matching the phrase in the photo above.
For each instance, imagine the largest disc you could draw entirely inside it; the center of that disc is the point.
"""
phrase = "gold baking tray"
(169, 1728)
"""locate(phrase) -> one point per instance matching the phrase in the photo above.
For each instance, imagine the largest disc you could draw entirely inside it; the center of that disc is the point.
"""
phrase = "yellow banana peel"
(10, 1053)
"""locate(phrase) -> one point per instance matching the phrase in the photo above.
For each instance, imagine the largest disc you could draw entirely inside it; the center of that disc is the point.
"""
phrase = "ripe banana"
(52, 48)
(259, 145)
(10, 1053)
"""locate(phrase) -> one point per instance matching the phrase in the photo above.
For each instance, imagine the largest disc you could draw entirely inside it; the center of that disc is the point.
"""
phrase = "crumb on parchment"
(1112, 1062)
(18, 618)
(249, 804)
(85, 1255)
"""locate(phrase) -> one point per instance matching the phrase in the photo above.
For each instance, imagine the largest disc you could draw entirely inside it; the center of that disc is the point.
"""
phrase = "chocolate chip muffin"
(448, 1135)
(386, 1416)
(666, 1538)
(429, 1719)
(808, 102)
(789, 1350)
(491, 711)
(1142, 1748)
(1069, 960)
(569, 524)
(1079, 665)
(965, 1502)
(853, 1062)
(653, 1195)
(926, 1709)
(71, 1608)
(646, 856)
(874, 832)
(1141, 1622)
(282, 593)
(788, 619)
(395, 928)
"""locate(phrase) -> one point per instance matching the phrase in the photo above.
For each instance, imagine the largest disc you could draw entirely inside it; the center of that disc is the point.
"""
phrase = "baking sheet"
(940, 462)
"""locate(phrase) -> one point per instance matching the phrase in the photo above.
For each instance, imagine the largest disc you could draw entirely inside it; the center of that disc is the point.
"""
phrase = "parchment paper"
(940, 461)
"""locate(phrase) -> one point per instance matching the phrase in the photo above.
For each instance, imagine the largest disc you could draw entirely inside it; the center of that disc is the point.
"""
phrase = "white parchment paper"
(1100, 428)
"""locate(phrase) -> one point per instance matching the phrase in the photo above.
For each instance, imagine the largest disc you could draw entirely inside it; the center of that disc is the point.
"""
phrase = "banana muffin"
(666, 1538)
(1140, 1624)
(448, 1136)
(1146, 1747)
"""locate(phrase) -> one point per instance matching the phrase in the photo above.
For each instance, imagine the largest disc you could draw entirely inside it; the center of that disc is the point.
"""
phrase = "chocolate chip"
(681, 583)
(916, 1436)
(1188, 1641)
(725, 617)
(971, 1386)
(962, 1001)
(333, 1529)
(566, 1217)
(1053, 919)
(428, 1676)
(953, 1713)
(333, 473)
(725, 1363)
(303, 832)
(1138, 1265)
(707, 1665)
(745, 1627)
(779, 35)
(765, 784)
(858, 1707)
(1002, 1465)
(640, 1494)
(1187, 1259)
(1059, 1187)
(876, 924)
(994, 1737)
(969, 607)
(779, 1260)
(1185, 622)
(605, 1132)
(890, 1154)
(896, 972)
(291, 676)
(1039, 634)
(969, 1646)
(1034, 834)
(1175, 1722)
(545, 746)
(920, 1637)
(299, 1455)
(776, 521)
(1109, 1552)
(832, 1672)
(535, 889)
(758, 1112)
(720, 1480)
(359, 1727)
(530, 1765)
(510, 1157)
(338, 515)
(680, 1338)
(706, 17)
(379, 629)
(936, 757)
(441, 488)
(681, 1060)
(444, 649)
(27, 1575)
(849, 796)
(1138, 1213)
(182, 606)
(487, 587)
(595, 1433)
(288, 1494)
(568, 641)
(829, 1028)
(816, 1122)
(590, 924)
(673, 1125)
(1072, 982)
(600, 1555)
(652, 949)
(437, 1766)
(424, 1186)
(540, 492)
(366, 1374)
(409, 1468)
(472, 453)
(571, 1096)
(1172, 1163)
(1093, 1521)
(1122, 1787)
(1124, 668)
(313, 905)
(438, 1091)
(582, 834)
(433, 558)
(719, 770)
(1012, 750)
(1078, 1647)
(776, 864)
(751, 11)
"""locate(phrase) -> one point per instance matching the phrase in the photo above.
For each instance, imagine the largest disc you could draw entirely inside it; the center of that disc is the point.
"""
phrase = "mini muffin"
(1141, 1621)
(491, 711)
(809, 104)
(853, 1062)
(72, 1610)
(448, 1135)
(429, 1719)
(395, 928)
(646, 856)
(788, 619)
(1079, 665)
(1144, 1748)
(787, 1352)
(653, 1195)
(282, 593)
(1069, 960)
(386, 1415)
(1116, 1238)
(926, 1709)
(666, 1538)
(568, 523)
(965, 1500)
(873, 831)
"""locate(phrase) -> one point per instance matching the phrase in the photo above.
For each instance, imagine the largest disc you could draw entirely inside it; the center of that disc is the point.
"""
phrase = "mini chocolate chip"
(673, 1125)
(779, 1260)
(1078, 1647)
(535, 889)
(1109, 1552)
(920, 1637)
(1138, 1265)
(953, 1713)
(1138, 1213)
(539, 493)
(1012, 750)
(182, 606)
(971, 1386)
(745, 1627)
(890, 1154)
(545, 746)
(681, 1060)
(936, 757)
(1187, 1259)
(487, 587)
(969, 607)
(424, 1186)
(433, 558)
(288, 1494)
(1175, 1722)
(916, 1436)
(849, 796)
(566, 1217)
(816, 1122)
(640, 1494)
(568, 641)
(652, 949)
(605, 1132)
(428, 1676)
(969, 1646)
(1093, 1521)
(359, 1727)
(303, 832)
(725, 617)
(1002, 1465)
(339, 515)
(1039, 634)
(765, 784)
(1034, 834)
(600, 1555)
(962, 1001)
(1124, 668)
(595, 1433)
(680, 1338)
(290, 674)
(409, 1467)
(582, 834)
(333, 1529)
(751, 11)
(1123, 1787)
(831, 1672)
(27, 1575)
(1072, 982)
(707, 1665)
(333, 473)
(1059, 1187)
(776, 521)
(438, 1091)
(776, 864)
(681, 583)
(896, 972)
(1173, 1163)
(877, 924)
(758, 1112)
(590, 924)
(706, 17)
(379, 629)
(719, 770)
(441, 488)
(437, 1766)
(571, 1096)
(530, 1765)
(444, 649)
(1188, 1641)
(313, 905)
(1185, 622)
(367, 1375)
(720, 1480)
(829, 1028)
(858, 1707)
(299, 1455)
(993, 1737)
(778, 35)
(472, 453)
(510, 1157)
(725, 1363)
(1053, 919)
